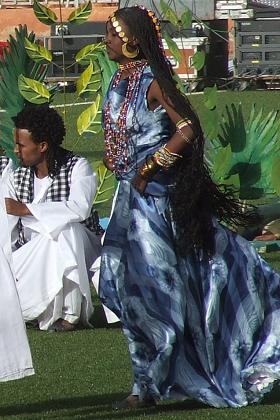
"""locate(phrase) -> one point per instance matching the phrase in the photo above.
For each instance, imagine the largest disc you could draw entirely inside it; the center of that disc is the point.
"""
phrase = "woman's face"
(114, 42)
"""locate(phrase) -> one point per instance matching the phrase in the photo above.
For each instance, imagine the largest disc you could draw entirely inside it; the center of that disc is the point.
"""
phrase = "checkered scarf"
(4, 160)
(59, 190)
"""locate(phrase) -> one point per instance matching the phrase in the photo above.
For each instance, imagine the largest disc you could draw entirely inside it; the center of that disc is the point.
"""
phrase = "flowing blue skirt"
(208, 330)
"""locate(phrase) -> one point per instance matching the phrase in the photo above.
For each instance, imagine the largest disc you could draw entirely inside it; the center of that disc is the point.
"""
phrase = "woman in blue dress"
(199, 307)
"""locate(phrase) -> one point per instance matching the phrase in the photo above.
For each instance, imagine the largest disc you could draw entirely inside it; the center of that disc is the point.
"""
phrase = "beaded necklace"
(116, 136)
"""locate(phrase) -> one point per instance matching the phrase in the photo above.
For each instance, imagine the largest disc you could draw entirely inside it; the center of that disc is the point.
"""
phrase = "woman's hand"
(108, 163)
(139, 184)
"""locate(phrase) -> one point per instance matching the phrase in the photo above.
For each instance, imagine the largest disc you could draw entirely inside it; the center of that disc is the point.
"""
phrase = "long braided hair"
(196, 198)
(45, 124)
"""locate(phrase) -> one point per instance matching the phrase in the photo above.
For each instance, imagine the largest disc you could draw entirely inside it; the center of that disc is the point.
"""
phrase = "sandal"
(133, 402)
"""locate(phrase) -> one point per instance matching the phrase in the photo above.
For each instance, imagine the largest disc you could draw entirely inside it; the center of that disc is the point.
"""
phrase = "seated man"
(55, 235)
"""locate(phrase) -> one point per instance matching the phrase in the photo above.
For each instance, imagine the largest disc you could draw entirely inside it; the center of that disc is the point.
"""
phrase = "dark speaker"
(76, 36)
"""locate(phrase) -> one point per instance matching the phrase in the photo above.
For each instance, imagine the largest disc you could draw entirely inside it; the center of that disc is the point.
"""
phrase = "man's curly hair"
(44, 124)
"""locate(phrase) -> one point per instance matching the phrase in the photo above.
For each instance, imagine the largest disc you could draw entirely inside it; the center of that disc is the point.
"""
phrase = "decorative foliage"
(173, 47)
(248, 150)
(198, 60)
(210, 97)
(81, 14)
(90, 80)
(16, 62)
(37, 52)
(33, 91)
(44, 14)
(106, 185)
(88, 53)
(90, 120)
(169, 14)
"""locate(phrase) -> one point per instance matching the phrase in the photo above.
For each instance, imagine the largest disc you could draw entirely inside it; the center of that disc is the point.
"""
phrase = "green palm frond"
(246, 149)
(16, 61)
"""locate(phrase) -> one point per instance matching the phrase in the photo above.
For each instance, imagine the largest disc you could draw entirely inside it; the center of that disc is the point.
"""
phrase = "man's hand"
(139, 184)
(16, 208)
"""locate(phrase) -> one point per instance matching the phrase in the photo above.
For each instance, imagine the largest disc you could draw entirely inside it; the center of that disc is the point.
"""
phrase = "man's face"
(28, 152)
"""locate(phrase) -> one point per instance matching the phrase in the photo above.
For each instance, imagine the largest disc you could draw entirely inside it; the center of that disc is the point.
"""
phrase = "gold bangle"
(149, 169)
(184, 136)
(183, 122)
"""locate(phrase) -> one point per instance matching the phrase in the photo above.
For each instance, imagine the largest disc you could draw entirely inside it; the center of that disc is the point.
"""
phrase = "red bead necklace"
(116, 136)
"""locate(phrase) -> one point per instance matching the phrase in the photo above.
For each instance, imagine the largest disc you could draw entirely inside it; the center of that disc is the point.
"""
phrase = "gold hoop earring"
(128, 54)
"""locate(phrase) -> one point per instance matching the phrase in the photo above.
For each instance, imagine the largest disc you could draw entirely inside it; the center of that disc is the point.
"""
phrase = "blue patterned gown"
(208, 330)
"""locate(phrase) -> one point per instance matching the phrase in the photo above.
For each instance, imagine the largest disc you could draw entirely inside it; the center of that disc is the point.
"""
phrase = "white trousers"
(52, 276)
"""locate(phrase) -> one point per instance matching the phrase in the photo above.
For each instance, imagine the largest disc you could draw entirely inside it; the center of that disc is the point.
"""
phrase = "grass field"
(79, 375)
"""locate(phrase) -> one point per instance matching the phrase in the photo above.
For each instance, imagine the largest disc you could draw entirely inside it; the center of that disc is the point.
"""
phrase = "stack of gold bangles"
(161, 158)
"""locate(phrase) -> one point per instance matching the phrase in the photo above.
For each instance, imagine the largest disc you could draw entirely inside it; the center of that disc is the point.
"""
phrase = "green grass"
(79, 375)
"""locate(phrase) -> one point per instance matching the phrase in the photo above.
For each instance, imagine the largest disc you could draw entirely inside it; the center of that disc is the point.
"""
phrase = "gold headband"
(118, 28)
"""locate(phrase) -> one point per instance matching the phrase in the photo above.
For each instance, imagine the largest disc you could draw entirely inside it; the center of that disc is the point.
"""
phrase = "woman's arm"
(166, 156)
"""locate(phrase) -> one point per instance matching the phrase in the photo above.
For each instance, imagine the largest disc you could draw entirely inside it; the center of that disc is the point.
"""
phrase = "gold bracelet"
(184, 136)
(149, 169)
(182, 123)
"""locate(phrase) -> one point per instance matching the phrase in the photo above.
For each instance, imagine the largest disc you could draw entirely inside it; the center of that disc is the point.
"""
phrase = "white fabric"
(95, 268)
(15, 356)
(55, 255)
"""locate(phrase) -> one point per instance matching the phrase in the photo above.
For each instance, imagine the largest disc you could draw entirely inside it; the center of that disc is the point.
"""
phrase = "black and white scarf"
(59, 190)
(4, 160)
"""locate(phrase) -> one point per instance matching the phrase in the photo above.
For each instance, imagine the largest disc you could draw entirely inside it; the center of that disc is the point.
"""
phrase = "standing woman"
(200, 309)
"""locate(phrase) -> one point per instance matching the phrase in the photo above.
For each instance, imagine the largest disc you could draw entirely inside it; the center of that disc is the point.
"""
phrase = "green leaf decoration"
(81, 14)
(16, 62)
(210, 97)
(198, 60)
(89, 81)
(44, 14)
(173, 47)
(33, 91)
(89, 121)
(186, 19)
(168, 13)
(37, 52)
(89, 53)
(222, 163)
(255, 147)
(106, 185)
(108, 68)
(212, 123)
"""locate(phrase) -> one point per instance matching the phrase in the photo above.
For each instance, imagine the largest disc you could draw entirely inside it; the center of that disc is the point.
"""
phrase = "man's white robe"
(15, 356)
(52, 267)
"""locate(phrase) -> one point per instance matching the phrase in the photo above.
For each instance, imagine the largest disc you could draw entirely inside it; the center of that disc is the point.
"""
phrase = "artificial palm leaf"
(36, 52)
(88, 53)
(81, 14)
(44, 14)
(33, 91)
(106, 185)
(90, 80)
(89, 121)
(16, 61)
(247, 150)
